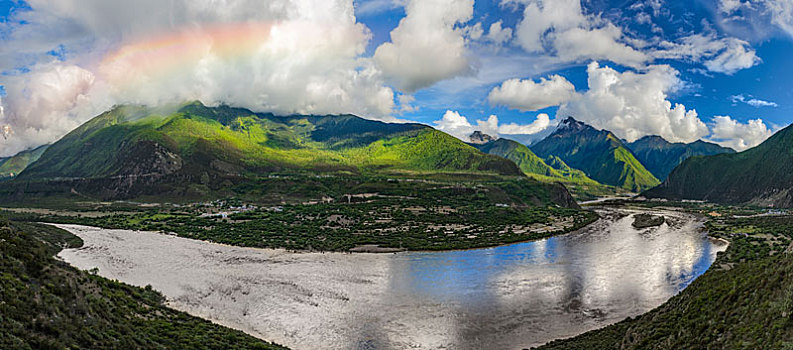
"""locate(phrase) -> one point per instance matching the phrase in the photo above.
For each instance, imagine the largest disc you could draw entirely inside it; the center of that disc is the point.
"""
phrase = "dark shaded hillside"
(660, 156)
(600, 154)
(46, 304)
(762, 175)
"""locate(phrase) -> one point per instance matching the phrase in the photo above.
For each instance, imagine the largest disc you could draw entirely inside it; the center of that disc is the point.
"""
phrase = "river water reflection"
(508, 297)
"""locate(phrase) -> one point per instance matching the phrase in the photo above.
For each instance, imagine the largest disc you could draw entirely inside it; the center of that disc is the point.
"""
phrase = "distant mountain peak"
(598, 153)
(653, 138)
(571, 124)
(480, 138)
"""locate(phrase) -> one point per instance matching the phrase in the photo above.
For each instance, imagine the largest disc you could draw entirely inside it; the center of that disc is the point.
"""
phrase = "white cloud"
(283, 56)
(634, 104)
(752, 101)
(541, 18)
(581, 44)
(643, 18)
(756, 19)
(729, 6)
(538, 125)
(454, 124)
(6, 128)
(498, 34)
(44, 105)
(720, 55)
(474, 32)
(426, 48)
(781, 14)
(739, 136)
(561, 28)
(736, 56)
(458, 126)
(526, 95)
(406, 103)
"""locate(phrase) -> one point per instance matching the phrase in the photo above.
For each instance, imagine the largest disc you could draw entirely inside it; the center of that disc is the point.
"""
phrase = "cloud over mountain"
(458, 125)
(283, 56)
(635, 104)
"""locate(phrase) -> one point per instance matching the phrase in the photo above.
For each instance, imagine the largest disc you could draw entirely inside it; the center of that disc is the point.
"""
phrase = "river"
(509, 297)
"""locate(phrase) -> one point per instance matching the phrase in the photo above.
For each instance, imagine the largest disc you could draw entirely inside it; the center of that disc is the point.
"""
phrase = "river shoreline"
(430, 299)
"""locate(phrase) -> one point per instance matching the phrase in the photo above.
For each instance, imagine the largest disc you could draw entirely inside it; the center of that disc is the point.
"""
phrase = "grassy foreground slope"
(744, 301)
(599, 153)
(46, 304)
(762, 175)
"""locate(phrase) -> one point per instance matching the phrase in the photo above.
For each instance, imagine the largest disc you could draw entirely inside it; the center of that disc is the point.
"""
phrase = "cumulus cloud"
(752, 101)
(454, 124)
(720, 55)
(739, 136)
(44, 104)
(457, 125)
(498, 34)
(635, 104)
(527, 95)
(282, 56)
(426, 47)
(561, 27)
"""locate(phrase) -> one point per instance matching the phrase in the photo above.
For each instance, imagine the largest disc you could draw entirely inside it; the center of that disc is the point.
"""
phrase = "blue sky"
(710, 94)
(716, 70)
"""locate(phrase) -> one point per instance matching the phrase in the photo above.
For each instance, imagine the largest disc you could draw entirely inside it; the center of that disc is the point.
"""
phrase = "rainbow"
(160, 55)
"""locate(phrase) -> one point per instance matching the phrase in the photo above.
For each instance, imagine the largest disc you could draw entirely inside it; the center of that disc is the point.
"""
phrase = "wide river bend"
(508, 297)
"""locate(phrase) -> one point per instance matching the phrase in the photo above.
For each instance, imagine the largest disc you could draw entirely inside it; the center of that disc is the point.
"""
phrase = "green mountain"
(549, 170)
(568, 172)
(196, 152)
(525, 159)
(140, 141)
(762, 175)
(599, 153)
(661, 156)
(12, 166)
